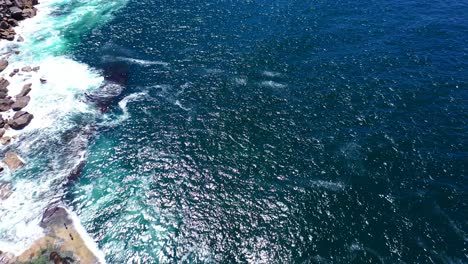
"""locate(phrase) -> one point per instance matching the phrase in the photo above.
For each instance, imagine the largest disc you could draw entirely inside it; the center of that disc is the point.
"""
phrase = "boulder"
(13, 161)
(36, 68)
(5, 140)
(5, 104)
(55, 214)
(13, 22)
(16, 13)
(20, 103)
(29, 12)
(43, 80)
(3, 64)
(2, 123)
(25, 90)
(5, 190)
(28, 3)
(18, 3)
(26, 69)
(8, 34)
(20, 39)
(4, 84)
(20, 120)
(2, 132)
(4, 25)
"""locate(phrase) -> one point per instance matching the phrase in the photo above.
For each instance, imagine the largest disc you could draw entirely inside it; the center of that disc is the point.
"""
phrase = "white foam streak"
(273, 84)
(136, 61)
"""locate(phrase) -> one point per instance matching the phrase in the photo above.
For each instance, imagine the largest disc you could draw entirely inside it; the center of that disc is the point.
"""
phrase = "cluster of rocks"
(12, 11)
(15, 117)
(16, 103)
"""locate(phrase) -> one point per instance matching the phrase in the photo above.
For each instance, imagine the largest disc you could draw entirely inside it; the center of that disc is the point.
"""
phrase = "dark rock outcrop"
(3, 64)
(20, 103)
(55, 214)
(16, 13)
(3, 94)
(25, 90)
(20, 120)
(4, 84)
(5, 104)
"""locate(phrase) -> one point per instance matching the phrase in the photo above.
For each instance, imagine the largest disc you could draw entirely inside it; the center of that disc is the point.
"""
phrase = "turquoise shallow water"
(276, 131)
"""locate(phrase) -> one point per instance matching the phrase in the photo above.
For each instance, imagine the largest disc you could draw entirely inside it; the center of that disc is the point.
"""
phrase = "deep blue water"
(280, 132)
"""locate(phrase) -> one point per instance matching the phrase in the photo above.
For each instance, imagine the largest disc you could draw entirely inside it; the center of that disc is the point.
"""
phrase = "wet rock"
(18, 3)
(8, 34)
(13, 22)
(29, 12)
(76, 171)
(55, 214)
(3, 94)
(12, 74)
(25, 90)
(5, 191)
(16, 13)
(20, 39)
(3, 64)
(4, 84)
(13, 161)
(20, 120)
(5, 140)
(26, 69)
(43, 80)
(5, 104)
(37, 68)
(2, 123)
(4, 25)
(2, 132)
(16, 70)
(20, 103)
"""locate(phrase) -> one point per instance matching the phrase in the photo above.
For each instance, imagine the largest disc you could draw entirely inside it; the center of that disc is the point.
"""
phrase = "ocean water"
(250, 131)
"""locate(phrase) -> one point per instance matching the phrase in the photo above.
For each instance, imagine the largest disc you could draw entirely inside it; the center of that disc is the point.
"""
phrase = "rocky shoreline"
(61, 242)
(12, 11)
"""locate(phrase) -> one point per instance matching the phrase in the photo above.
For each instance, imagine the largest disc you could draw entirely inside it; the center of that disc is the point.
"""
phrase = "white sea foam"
(271, 74)
(112, 121)
(332, 186)
(273, 84)
(240, 81)
(137, 61)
